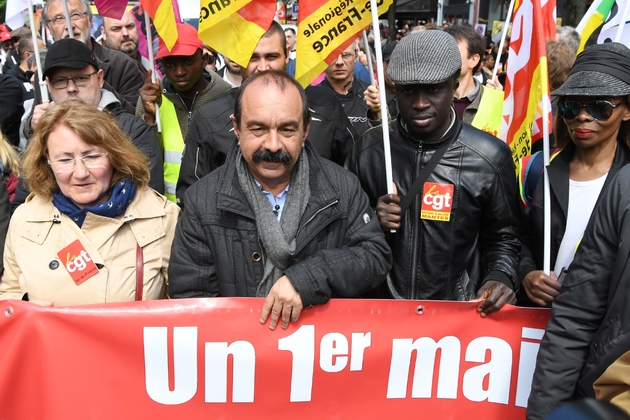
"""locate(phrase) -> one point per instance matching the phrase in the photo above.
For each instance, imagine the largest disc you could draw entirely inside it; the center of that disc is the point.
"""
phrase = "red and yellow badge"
(437, 201)
(78, 262)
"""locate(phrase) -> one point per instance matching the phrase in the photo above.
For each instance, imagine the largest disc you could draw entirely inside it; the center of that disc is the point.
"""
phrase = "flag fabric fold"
(235, 29)
(325, 29)
(111, 8)
(527, 83)
(162, 12)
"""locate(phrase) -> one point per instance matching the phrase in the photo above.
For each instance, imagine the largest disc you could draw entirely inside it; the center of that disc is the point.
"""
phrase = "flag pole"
(66, 13)
(147, 24)
(546, 105)
(369, 57)
(623, 21)
(42, 85)
(383, 98)
(506, 24)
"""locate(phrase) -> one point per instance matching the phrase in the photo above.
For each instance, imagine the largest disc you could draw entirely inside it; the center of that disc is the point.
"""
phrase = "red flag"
(163, 14)
(235, 29)
(527, 83)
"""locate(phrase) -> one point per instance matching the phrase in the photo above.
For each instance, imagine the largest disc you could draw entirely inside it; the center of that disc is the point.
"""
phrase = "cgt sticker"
(437, 202)
(78, 262)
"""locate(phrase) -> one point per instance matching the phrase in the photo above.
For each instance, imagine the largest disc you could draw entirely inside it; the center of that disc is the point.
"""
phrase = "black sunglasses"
(599, 110)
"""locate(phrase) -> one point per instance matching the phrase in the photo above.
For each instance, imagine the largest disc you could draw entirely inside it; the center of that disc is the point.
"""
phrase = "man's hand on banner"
(541, 288)
(283, 301)
(373, 101)
(150, 94)
(494, 294)
(388, 211)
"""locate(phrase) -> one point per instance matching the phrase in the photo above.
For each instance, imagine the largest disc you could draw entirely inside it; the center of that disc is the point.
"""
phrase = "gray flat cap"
(424, 58)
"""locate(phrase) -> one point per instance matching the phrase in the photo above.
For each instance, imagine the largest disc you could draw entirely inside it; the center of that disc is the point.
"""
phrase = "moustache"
(268, 156)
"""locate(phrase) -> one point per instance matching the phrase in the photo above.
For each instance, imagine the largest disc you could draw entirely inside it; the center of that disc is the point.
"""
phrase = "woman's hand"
(541, 288)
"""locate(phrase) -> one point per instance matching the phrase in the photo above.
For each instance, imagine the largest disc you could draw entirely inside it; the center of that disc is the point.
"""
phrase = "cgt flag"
(527, 83)
(326, 28)
(234, 28)
(163, 14)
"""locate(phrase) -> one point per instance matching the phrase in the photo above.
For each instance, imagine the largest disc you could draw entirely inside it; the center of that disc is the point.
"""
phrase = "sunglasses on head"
(599, 110)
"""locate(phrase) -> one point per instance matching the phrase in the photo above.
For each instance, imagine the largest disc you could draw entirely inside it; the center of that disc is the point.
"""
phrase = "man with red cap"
(183, 89)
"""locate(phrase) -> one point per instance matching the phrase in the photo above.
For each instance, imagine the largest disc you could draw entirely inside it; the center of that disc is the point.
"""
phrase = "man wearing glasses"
(72, 74)
(353, 93)
(122, 75)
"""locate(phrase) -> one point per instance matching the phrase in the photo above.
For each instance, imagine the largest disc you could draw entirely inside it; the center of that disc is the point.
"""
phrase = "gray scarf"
(278, 238)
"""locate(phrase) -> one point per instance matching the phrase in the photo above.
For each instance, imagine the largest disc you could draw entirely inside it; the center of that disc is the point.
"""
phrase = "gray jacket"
(340, 252)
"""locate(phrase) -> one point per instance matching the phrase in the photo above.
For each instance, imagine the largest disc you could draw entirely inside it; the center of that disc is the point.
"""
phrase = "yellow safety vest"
(173, 146)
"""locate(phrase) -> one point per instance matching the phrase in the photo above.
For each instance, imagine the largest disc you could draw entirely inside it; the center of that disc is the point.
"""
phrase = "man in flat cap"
(452, 224)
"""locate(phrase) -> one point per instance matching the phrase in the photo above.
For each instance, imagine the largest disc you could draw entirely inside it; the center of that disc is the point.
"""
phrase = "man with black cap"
(456, 212)
(184, 88)
(72, 74)
(121, 73)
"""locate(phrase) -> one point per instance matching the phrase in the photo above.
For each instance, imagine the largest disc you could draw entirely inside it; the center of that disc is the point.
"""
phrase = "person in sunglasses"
(592, 133)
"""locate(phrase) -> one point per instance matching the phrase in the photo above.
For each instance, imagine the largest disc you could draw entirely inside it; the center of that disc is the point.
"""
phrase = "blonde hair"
(9, 156)
(97, 128)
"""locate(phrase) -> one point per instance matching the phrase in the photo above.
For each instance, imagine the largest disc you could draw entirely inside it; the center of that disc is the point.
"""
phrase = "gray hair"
(86, 8)
(569, 36)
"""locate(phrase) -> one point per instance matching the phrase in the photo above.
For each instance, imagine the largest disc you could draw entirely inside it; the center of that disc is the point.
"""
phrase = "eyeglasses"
(347, 56)
(599, 110)
(92, 161)
(211, 59)
(61, 20)
(79, 80)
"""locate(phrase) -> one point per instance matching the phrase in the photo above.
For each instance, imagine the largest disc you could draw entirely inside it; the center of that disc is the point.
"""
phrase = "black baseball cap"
(69, 52)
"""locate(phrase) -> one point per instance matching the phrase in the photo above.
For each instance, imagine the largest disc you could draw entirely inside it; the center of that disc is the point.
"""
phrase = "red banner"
(212, 358)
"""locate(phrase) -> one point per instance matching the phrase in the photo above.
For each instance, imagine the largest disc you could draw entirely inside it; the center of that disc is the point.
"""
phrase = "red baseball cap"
(5, 36)
(187, 44)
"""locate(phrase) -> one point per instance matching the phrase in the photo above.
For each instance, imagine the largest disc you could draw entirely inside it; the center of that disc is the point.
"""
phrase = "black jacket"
(140, 134)
(532, 239)
(340, 248)
(121, 72)
(356, 108)
(589, 327)
(447, 260)
(211, 134)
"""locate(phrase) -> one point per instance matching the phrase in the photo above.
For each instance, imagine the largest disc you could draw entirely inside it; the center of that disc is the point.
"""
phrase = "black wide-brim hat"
(600, 70)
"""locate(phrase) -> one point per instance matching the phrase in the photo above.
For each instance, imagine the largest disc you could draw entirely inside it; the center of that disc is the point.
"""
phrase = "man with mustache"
(456, 233)
(276, 220)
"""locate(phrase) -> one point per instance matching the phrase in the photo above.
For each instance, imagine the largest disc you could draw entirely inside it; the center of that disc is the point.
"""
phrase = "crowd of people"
(224, 180)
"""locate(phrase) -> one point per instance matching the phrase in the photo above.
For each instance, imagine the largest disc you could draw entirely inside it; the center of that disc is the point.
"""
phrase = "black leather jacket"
(447, 260)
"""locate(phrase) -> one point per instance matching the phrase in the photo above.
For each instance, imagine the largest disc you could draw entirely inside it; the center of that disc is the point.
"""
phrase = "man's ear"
(475, 60)
(306, 130)
(100, 76)
(236, 129)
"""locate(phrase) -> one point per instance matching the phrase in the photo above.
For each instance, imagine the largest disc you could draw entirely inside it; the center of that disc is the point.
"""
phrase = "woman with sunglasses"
(592, 131)
(92, 231)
